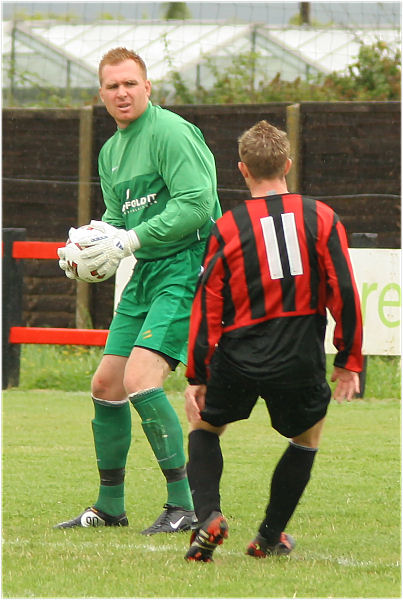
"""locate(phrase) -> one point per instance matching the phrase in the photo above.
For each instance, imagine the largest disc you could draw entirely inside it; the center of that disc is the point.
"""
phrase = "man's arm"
(187, 167)
(206, 317)
(343, 301)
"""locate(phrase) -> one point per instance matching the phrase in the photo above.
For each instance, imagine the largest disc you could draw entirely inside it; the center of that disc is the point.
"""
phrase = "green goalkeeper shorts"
(155, 306)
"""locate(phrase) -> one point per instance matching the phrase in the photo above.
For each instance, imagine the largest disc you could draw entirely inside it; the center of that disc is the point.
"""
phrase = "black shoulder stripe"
(251, 264)
(311, 235)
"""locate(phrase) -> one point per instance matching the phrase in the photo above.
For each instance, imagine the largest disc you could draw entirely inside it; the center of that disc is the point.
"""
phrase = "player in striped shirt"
(272, 267)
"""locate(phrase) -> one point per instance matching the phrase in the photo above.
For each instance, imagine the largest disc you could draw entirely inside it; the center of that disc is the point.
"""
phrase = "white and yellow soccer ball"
(86, 268)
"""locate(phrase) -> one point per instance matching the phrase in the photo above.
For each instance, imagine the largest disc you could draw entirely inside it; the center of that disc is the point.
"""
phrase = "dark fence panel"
(221, 127)
(102, 295)
(352, 149)
(40, 173)
(350, 158)
(368, 213)
(12, 295)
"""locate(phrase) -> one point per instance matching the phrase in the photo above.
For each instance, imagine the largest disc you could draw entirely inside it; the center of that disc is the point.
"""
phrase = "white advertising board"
(378, 277)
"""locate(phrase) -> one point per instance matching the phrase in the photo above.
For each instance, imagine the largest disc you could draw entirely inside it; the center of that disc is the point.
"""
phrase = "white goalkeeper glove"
(64, 265)
(129, 239)
(119, 244)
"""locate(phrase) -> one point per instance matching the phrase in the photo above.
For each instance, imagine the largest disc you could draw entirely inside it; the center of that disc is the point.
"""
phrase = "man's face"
(124, 92)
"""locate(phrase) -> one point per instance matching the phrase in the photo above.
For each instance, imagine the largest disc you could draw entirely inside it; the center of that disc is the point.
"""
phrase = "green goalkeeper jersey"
(158, 177)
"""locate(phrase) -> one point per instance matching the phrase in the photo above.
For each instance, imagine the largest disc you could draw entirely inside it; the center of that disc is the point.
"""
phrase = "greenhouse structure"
(42, 57)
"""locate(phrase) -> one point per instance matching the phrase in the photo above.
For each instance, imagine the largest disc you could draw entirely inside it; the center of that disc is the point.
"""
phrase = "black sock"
(288, 483)
(204, 471)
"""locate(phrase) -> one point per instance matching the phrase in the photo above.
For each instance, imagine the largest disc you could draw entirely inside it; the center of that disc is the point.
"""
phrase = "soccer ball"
(80, 239)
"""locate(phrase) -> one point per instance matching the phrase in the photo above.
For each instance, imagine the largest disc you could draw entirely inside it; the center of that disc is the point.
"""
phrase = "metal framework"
(51, 54)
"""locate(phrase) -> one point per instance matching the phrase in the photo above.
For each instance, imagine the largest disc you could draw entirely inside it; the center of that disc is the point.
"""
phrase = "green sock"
(111, 499)
(111, 427)
(179, 494)
(164, 433)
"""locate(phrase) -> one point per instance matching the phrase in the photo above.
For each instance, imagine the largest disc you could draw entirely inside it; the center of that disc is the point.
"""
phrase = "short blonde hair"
(118, 55)
(264, 149)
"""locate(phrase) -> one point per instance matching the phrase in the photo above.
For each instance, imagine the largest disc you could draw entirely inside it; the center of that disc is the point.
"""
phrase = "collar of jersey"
(134, 125)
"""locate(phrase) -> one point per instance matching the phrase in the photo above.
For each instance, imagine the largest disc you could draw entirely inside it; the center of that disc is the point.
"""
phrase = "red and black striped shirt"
(272, 267)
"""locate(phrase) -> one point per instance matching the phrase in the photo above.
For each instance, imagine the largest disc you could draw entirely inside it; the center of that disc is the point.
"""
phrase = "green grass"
(347, 526)
(70, 368)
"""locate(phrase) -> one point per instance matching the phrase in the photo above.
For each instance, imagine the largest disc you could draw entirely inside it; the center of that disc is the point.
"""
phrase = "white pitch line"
(340, 560)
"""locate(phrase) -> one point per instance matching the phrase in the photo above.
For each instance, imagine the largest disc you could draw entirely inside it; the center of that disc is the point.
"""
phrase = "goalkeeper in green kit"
(159, 185)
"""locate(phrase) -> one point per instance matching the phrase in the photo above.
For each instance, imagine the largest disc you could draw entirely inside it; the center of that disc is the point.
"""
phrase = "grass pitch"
(70, 368)
(347, 526)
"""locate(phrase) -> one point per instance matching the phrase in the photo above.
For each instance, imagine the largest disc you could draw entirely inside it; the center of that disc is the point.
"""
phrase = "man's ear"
(148, 87)
(288, 165)
(100, 94)
(244, 169)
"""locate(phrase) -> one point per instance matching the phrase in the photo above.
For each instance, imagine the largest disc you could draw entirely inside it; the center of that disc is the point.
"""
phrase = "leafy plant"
(375, 75)
(21, 14)
(177, 10)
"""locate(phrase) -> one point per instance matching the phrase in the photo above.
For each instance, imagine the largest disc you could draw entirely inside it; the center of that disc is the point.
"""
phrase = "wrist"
(134, 242)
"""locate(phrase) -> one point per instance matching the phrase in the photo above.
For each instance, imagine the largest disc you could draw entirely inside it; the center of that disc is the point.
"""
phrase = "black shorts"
(231, 397)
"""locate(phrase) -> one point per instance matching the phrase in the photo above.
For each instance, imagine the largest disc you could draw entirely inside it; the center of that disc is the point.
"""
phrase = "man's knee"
(207, 427)
(311, 437)
(107, 384)
(145, 370)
